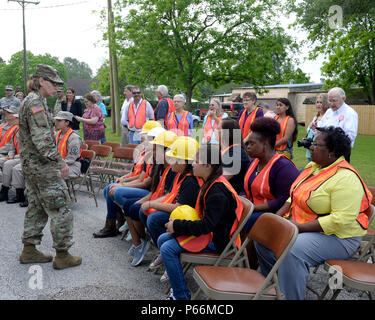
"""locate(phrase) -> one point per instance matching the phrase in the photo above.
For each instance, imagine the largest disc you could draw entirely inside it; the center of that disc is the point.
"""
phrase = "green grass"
(362, 156)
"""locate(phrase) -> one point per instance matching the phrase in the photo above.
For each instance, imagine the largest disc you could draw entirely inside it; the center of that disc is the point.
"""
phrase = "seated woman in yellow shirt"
(329, 204)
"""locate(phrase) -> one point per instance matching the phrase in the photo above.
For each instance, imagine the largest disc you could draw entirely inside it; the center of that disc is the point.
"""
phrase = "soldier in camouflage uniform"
(44, 171)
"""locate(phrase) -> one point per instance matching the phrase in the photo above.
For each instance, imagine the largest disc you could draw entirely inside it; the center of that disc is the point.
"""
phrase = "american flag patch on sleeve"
(37, 109)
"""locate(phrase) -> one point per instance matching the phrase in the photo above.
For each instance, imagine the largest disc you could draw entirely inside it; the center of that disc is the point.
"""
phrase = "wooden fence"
(366, 117)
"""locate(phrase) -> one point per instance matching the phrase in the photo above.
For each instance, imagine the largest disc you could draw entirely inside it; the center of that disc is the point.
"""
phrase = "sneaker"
(131, 250)
(140, 251)
(129, 237)
(124, 227)
(156, 263)
(170, 296)
(164, 277)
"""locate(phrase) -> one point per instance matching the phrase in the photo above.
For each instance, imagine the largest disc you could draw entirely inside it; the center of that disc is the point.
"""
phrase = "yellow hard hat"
(165, 139)
(150, 124)
(185, 212)
(183, 148)
(155, 132)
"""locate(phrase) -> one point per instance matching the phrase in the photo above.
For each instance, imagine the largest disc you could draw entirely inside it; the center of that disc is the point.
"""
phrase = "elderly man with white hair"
(340, 115)
(165, 105)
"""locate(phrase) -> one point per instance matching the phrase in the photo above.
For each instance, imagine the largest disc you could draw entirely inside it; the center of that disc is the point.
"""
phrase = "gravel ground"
(105, 273)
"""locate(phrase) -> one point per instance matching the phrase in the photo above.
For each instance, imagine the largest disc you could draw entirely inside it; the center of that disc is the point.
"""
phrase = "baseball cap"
(12, 109)
(46, 71)
(9, 87)
(64, 115)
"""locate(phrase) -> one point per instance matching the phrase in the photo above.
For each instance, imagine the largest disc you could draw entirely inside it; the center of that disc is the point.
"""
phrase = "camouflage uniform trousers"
(48, 197)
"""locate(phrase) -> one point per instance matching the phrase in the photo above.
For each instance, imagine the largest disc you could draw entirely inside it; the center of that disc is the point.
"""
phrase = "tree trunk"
(189, 96)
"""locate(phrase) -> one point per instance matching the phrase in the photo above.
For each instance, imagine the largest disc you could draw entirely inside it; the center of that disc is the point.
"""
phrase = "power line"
(49, 7)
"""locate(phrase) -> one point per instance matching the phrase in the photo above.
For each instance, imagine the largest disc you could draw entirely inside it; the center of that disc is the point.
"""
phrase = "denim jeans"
(170, 252)
(155, 223)
(310, 249)
(124, 196)
(131, 138)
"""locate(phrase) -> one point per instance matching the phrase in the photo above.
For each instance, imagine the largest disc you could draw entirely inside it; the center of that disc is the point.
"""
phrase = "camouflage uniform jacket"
(37, 142)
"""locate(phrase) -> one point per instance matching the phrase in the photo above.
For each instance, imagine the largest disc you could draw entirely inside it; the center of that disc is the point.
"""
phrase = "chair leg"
(324, 293)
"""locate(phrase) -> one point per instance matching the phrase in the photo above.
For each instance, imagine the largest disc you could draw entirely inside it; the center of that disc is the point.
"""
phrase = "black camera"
(306, 143)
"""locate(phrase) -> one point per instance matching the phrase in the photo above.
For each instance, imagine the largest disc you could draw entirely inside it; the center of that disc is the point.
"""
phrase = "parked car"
(231, 108)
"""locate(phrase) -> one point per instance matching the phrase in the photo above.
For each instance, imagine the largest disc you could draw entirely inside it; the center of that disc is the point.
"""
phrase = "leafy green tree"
(189, 44)
(12, 72)
(76, 69)
(344, 32)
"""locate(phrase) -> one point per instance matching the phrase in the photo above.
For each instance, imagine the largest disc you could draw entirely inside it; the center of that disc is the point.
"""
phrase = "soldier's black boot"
(4, 193)
(20, 196)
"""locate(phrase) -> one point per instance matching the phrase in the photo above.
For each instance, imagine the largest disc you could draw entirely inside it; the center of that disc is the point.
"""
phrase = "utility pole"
(22, 3)
(115, 98)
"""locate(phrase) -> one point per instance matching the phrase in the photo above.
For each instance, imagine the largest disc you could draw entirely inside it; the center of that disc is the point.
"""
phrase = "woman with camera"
(329, 204)
(321, 105)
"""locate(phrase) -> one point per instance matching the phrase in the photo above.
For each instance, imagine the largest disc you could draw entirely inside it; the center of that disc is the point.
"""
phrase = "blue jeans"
(124, 196)
(131, 138)
(310, 249)
(155, 223)
(170, 252)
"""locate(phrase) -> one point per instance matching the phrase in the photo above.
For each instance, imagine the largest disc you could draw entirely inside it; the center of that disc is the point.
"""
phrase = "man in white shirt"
(340, 115)
(124, 111)
(137, 114)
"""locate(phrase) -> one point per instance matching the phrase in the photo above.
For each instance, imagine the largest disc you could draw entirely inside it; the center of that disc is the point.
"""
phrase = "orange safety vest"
(161, 185)
(170, 107)
(245, 125)
(16, 142)
(137, 119)
(302, 187)
(138, 166)
(259, 191)
(8, 134)
(283, 125)
(149, 167)
(208, 129)
(197, 244)
(182, 127)
(62, 146)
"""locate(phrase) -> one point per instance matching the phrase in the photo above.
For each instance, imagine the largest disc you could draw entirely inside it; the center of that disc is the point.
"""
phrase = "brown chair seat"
(233, 280)
(355, 270)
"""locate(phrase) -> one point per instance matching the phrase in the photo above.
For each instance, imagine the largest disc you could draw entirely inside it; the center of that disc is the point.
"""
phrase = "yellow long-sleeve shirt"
(341, 196)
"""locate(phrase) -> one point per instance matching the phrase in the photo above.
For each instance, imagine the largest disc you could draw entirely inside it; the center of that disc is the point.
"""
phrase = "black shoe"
(20, 196)
(24, 204)
(4, 193)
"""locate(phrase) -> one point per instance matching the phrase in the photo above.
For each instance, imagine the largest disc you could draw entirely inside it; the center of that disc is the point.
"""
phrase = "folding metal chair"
(91, 143)
(97, 169)
(357, 274)
(121, 164)
(83, 178)
(189, 258)
(233, 282)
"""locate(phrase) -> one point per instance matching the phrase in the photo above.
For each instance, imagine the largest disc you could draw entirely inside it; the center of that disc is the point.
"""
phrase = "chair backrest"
(84, 146)
(101, 150)
(114, 145)
(88, 154)
(372, 190)
(274, 232)
(91, 143)
(131, 145)
(123, 153)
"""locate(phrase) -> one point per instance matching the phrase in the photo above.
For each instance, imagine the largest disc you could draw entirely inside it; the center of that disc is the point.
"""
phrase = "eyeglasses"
(136, 92)
(178, 101)
(247, 100)
(318, 145)
(212, 105)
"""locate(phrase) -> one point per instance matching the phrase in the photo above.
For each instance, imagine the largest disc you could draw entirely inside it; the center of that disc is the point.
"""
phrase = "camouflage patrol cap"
(9, 87)
(45, 71)
(12, 109)
(64, 115)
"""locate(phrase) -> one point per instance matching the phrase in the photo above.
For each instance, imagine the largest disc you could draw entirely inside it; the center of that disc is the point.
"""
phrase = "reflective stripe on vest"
(197, 244)
(7, 135)
(137, 168)
(245, 125)
(182, 127)
(149, 167)
(259, 191)
(62, 146)
(137, 119)
(283, 124)
(302, 187)
(161, 185)
(208, 130)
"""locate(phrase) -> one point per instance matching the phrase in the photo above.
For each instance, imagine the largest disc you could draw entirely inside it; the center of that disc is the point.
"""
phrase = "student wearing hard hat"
(155, 214)
(130, 187)
(161, 184)
(219, 208)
